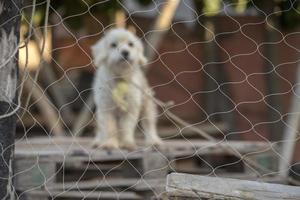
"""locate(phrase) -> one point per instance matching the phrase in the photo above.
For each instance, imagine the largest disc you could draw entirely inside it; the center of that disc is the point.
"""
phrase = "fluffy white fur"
(118, 57)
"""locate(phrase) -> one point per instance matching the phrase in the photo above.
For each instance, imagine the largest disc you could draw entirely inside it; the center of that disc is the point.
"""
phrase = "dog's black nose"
(125, 54)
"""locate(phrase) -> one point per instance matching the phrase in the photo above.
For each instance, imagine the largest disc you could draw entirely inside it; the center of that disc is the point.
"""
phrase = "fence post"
(291, 131)
(9, 38)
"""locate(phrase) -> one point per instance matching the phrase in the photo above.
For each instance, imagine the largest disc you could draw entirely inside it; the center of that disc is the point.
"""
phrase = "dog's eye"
(130, 44)
(113, 45)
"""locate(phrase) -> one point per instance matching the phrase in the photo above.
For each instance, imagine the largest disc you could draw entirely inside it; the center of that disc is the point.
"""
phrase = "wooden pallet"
(69, 167)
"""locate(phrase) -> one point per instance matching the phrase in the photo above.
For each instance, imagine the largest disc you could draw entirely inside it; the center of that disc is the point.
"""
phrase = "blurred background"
(227, 67)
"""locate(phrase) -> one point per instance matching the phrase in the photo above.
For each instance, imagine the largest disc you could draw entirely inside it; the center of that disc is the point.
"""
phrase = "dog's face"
(119, 50)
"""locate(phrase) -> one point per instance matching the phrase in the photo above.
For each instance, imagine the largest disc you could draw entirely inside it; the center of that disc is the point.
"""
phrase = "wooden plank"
(250, 177)
(155, 165)
(177, 132)
(164, 131)
(193, 186)
(151, 184)
(136, 184)
(45, 106)
(69, 149)
(97, 183)
(32, 173)
(161, 27)
(86, 194)
(291, 130)
(203, 147)
(83, 166)
(84, 116)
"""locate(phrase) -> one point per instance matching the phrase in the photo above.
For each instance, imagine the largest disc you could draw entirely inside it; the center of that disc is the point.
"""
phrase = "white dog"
(120, 102)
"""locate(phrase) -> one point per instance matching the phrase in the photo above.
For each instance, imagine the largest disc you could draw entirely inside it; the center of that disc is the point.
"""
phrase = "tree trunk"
(9, 38)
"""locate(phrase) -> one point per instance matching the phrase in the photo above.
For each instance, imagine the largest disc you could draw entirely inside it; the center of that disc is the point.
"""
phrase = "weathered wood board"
(79, 149)
(183, 186)
(86, 195)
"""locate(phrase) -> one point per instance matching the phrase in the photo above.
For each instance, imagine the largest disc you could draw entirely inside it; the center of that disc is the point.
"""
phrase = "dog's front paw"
(157, 142)
(130, 146)
(108, 144)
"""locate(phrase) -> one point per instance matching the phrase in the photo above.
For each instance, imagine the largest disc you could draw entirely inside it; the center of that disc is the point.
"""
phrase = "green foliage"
(287, 12)
(290, 18)
(73, 11)
(145, 2)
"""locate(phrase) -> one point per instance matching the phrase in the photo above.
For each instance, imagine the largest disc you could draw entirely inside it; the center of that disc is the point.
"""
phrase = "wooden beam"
(85, 194)
(161, 26)
(47, 72)
(291, 132)
(30, 173)
(183, 186)
(44, 105)
(136, 184)
(186, 132)
(71, 149)
(84, 116)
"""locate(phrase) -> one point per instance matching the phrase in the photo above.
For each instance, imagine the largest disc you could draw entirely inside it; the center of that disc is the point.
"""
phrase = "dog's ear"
(142, 59)
(99, 52)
